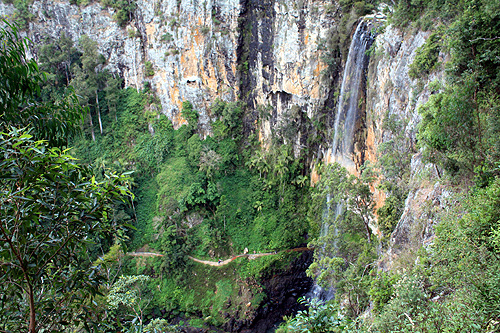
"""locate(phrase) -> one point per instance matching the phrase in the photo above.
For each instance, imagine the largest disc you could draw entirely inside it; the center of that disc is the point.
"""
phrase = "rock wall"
(391, 91)
(281, 59)
(203, 50)
(190, 44)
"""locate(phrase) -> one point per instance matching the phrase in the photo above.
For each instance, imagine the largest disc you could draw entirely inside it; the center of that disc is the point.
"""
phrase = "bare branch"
(482, 38)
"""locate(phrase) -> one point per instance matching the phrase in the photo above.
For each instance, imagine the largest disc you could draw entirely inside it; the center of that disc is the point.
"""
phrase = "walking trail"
(220, 262)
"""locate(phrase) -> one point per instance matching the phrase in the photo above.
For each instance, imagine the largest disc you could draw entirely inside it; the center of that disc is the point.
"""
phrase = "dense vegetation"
(218, 196)
(452, 284)
(211, 198)
(55, 215)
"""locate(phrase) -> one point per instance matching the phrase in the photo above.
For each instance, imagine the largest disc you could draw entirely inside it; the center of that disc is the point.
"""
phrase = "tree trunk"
(368, 230)
(31, 301)
(66, 72)
(91, 126)
(98, 111)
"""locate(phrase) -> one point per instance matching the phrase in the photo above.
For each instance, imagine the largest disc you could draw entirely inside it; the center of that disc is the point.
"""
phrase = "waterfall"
(317, 291)
(353, 82)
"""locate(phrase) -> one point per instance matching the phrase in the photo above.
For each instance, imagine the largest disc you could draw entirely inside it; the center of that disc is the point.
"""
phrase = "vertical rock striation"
(264, 52)
(391, 92)
(281, 61)
(190, 44)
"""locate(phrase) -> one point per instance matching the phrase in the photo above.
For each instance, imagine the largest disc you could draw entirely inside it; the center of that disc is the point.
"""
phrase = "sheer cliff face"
(280, 57)
(391, 92)
(191, 45)
(206, 49)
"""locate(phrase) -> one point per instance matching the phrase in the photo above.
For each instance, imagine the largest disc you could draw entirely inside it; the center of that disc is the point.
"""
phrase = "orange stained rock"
(209, 80)
(328, 157)
(371, 155)
(178, 120)
(198, 36)
(314, 92)
(292, 86)
(370, 152)
(319, 68)
(189, 63)
(314, 177)
(150, 30)
(233, 68)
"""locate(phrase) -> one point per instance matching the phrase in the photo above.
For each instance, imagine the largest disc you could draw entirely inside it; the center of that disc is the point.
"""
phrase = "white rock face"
(191, 45)
(390, 89)
(392, 92)
(289, 72)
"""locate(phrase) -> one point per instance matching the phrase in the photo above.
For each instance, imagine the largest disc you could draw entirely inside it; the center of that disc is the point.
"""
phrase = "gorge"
(264, 126)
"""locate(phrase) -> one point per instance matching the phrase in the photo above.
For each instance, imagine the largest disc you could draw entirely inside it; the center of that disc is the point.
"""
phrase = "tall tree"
(87, 80)
(52, 208)
(19, 88)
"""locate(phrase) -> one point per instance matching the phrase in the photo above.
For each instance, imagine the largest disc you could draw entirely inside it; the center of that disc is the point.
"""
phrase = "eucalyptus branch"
(54, 254)
(483, 38)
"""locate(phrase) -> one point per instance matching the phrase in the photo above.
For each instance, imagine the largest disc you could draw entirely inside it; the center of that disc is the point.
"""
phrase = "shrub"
(204, 30)
(148, 69)
(189, 113)
(167, 37)
(319, 317)
(426, 58)
(124, 10)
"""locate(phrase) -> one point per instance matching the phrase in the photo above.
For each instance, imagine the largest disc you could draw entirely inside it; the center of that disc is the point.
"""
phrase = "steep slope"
(274, 56)
(200, 51)
(393, 96)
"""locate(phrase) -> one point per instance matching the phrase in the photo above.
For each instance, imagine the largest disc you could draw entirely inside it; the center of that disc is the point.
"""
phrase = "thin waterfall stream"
(353, 82)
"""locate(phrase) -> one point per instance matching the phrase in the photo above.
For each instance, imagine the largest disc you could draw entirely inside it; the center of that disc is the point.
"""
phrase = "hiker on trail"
(219, 261)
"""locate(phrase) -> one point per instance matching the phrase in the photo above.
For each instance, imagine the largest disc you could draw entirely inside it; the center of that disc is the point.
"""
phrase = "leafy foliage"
(19, 89)
(124, 10)
(190, 114)
(52, 210)
(148, 69)
(394, 162)
(55, 213)
(345, 251)
(468, 103)
(319, 317)
(403, 311)
(469, 249)
(454, 285)
(130, 293)
(22, 14)
(426, 58)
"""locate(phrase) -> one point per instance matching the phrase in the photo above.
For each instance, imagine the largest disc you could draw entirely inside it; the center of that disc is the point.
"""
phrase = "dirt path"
(144, 254)
(227, 261)
(221, 262)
